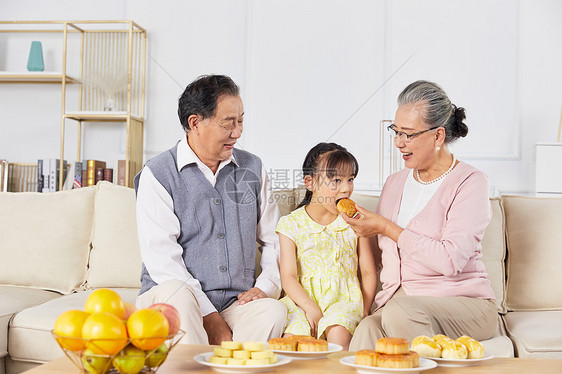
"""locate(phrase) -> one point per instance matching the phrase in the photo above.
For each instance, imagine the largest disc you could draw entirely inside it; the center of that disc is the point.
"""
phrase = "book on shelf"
(84, 173)
(108, 175)
(99, 175)
(92, 165)
(3, 175)
(68, 182)
(53, 174)
(121, 172)
(45, 172)
(77, 183)
(40, 176)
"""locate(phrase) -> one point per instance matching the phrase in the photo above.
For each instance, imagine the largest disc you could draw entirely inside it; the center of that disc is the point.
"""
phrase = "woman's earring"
(437, 148)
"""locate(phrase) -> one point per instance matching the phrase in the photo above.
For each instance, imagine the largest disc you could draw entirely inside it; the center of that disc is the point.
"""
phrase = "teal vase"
(35, 60)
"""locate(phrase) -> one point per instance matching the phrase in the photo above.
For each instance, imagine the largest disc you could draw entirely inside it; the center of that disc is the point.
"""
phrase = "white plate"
(458, 363)
(425, 364)
(296, 355)
(203, 359)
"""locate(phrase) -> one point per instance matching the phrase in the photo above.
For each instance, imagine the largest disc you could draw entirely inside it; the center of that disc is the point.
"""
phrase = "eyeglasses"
(229, 125)
(406, 138)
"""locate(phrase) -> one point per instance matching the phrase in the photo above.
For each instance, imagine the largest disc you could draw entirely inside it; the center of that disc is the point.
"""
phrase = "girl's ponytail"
(307, 199)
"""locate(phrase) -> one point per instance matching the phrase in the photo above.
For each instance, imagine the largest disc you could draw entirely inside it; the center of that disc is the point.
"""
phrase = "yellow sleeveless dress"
(327, 270)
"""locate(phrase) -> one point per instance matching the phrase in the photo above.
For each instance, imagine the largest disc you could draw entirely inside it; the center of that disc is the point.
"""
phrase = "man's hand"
(216, 328)
(252, 294)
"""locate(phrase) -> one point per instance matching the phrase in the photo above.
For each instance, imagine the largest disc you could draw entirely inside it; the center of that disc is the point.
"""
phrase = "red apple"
(129, 309)
(172, 315)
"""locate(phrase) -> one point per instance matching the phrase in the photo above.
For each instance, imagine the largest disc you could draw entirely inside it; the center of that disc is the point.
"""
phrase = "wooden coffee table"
(181, 361)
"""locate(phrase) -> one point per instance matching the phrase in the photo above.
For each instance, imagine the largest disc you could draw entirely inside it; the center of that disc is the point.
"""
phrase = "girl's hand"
(366, 312)
(313, 316)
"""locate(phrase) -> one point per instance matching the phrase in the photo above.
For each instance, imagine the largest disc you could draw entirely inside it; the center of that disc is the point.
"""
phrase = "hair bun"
(460, 129)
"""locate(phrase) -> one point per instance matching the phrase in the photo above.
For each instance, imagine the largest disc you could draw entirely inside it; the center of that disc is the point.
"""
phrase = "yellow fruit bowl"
(89, 355)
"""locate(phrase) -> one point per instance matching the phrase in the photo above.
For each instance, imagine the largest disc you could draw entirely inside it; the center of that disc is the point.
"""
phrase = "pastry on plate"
(399, 361)
(474, 347)
(462, 339)
(253, 353)
(454, 351)
(442, 340)
(282, 344)
(231, 345)
(316, 345)
(257, 361)
(392, 346)
(240, 353)
(367, 357)
(415, 358)
(218, 360)
(268, 353)
(222, 352)
(235, 361)
(425, 346)
(254, 346)
(300, 337)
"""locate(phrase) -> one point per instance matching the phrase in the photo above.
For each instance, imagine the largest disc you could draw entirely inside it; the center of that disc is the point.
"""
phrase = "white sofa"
(56, 247)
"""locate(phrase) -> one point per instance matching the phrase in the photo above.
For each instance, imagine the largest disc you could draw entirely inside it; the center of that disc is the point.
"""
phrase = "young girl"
(320, 253)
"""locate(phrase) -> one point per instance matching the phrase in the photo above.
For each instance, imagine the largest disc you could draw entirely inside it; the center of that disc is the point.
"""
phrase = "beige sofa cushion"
(535, 334)
(12, 300)
(499, 345)
(368, 202)
(115, 260)
(45, 238)
(534, 254)
(493, 253)
(285, 200)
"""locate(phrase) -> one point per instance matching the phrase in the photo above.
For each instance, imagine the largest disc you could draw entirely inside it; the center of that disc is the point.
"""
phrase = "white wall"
(318, 70)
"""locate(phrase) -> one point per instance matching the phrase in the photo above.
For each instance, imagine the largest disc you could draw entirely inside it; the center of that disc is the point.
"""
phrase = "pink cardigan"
(440, 247)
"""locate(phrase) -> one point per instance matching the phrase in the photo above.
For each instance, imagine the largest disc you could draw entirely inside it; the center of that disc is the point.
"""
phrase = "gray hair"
(438, 110)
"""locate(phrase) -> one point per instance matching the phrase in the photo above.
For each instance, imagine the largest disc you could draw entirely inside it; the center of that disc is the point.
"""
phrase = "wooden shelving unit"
(35, 77)
(109, 52)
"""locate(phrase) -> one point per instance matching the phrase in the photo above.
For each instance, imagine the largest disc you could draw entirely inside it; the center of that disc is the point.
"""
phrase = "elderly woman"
(430, 221)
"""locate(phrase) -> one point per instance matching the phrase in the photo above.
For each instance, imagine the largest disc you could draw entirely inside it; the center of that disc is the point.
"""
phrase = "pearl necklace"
(439, 177)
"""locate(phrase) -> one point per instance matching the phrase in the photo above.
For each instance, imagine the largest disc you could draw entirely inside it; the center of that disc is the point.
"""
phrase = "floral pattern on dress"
(327, 264)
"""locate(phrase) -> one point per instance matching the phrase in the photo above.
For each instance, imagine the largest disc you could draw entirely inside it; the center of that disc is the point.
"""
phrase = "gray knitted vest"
(218, 225)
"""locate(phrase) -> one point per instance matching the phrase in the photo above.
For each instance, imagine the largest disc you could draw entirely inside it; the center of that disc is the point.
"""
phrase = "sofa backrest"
(115, 259)
(493, 252)
(87, 238)
(534, 253)
(44, 238)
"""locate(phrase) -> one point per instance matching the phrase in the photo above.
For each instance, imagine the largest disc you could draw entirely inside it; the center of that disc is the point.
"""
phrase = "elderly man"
(201, 207)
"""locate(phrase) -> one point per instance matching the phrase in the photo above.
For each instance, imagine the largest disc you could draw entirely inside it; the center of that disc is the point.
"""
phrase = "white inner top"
(414, 198)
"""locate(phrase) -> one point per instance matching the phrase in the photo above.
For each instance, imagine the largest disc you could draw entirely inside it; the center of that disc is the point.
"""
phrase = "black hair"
(328, 158)
(459, 129)
(200, 96)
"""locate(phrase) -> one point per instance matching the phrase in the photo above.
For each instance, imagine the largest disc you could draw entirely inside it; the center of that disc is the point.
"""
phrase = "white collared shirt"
(159, 229)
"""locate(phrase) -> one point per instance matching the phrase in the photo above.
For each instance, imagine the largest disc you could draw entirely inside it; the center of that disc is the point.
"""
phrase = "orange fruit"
(105, 333)
(148, 328)
(69, 324)
(105, 300)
